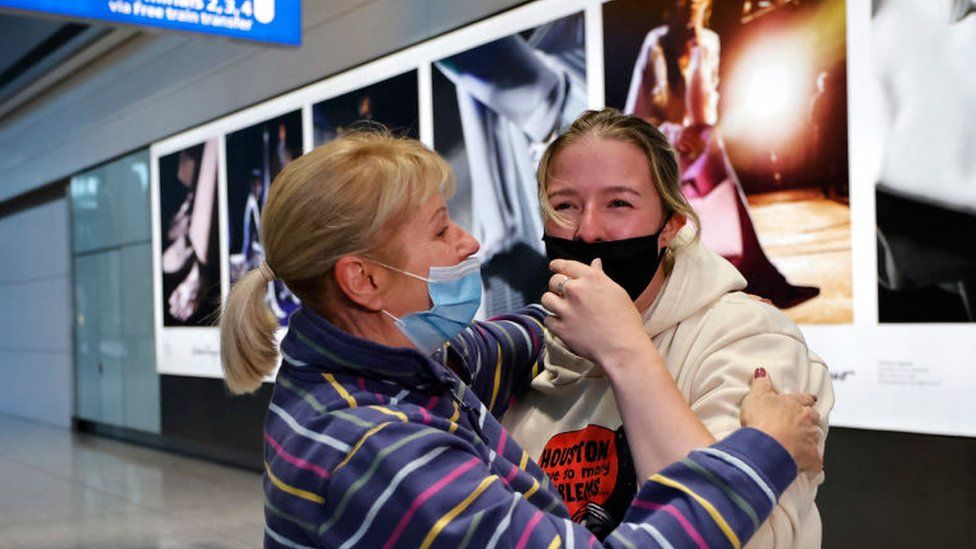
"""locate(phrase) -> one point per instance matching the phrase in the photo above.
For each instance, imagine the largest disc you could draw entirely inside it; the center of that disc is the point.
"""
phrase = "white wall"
(35, 328)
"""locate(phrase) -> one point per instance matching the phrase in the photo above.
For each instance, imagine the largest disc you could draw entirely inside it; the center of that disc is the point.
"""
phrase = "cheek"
(628, 223)
(558, 230)
(437, 253)
(411, 296)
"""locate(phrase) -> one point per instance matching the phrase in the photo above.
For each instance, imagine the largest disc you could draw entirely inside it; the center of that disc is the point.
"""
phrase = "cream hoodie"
(712, 338)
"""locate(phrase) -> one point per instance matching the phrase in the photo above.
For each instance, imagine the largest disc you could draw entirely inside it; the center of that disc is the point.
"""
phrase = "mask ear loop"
(664, 224)
(401, 271)
(395, 319)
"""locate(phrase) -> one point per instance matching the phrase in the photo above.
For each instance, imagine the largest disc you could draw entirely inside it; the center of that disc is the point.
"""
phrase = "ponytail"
(248, 349)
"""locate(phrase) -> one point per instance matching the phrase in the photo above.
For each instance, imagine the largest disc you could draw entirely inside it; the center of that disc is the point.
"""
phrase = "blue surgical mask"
(456, 294)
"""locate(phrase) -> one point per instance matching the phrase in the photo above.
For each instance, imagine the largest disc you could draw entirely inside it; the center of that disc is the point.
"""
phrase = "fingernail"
(760, 372)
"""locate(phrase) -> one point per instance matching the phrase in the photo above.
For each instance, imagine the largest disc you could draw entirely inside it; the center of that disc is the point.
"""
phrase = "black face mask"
(631, 263)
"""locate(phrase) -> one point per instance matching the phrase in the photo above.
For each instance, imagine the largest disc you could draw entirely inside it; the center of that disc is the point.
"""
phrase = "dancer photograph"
(752, 97)
(255, 155)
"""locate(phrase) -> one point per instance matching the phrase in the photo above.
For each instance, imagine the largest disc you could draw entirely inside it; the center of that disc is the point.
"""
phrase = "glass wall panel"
(110, 204)
(116, 380)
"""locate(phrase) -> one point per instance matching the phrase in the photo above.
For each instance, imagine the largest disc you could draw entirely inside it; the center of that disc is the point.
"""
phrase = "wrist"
(772, 431)
(621, 361)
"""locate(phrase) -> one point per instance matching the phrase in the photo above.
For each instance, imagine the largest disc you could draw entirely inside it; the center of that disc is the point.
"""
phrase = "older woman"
(372, 440)
(609, 187)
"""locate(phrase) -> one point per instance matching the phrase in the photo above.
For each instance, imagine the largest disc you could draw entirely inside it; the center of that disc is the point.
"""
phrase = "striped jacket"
(372, 446)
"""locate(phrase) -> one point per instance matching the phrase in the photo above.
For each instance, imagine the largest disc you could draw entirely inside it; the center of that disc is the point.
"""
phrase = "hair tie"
(265, 269)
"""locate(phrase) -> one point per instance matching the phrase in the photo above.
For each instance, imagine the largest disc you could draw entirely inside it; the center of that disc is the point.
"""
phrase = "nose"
(590, 227)
(466, 245)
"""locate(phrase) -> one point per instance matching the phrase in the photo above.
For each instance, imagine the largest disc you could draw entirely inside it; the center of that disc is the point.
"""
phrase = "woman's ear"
(671, 228)
(360, 281)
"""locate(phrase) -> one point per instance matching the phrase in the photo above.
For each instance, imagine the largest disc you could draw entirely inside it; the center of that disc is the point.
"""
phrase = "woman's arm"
(499, 357)
(430, 488)
(596, 318)
(701, 95)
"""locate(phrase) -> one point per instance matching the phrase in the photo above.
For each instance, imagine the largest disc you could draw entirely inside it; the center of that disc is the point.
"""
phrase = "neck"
(369, 325)
(650, 293)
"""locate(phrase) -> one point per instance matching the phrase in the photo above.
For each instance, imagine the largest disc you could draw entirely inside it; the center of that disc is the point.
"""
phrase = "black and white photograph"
(496, 107)
(925, 194)
(188, 225)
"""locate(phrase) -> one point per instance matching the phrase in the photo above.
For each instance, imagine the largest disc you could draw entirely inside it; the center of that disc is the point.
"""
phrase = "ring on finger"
(561, 287)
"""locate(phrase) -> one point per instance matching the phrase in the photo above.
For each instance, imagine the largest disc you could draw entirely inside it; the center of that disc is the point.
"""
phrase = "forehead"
(595, 162)
(433, 210)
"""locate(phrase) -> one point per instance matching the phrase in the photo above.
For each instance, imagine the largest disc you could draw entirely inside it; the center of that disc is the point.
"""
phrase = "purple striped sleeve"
(718, 496)
(501, 355)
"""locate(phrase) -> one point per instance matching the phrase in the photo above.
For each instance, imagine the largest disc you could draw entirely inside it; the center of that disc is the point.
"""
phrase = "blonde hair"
(609, 123)
(343, 198)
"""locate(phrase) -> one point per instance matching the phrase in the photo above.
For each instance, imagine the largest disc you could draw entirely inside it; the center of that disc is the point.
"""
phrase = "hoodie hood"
(697, 277)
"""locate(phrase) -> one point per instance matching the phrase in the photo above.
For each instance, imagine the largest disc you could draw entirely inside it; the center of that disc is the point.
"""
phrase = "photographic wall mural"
(826, 146)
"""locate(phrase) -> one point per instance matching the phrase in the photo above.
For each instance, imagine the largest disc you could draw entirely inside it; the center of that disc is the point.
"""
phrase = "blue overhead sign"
(275, 21)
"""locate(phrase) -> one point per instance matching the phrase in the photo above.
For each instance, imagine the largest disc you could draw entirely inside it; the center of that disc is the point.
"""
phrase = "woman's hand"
(790, 419)
(594, 316)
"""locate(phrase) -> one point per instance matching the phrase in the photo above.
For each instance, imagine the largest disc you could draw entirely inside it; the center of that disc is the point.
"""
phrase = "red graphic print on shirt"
(582, 466)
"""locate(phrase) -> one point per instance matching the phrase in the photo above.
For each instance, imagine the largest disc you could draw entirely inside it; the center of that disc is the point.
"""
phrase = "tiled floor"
(64, 489)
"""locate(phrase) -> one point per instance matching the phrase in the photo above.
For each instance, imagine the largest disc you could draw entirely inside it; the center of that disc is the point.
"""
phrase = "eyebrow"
(621, 189)
(617, 189)
(441, 212)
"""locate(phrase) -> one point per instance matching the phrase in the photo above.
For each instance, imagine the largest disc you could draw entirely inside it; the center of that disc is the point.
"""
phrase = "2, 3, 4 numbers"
(231, 8)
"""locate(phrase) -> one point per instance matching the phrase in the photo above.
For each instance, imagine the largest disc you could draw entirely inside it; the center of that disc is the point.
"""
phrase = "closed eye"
(563, 206)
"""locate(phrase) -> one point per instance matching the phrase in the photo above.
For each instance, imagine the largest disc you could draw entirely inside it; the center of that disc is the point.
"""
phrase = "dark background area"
(394, 103)
(200, 416)
(894, 490)
(202, 419)
(245, 153)
(933, 252)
